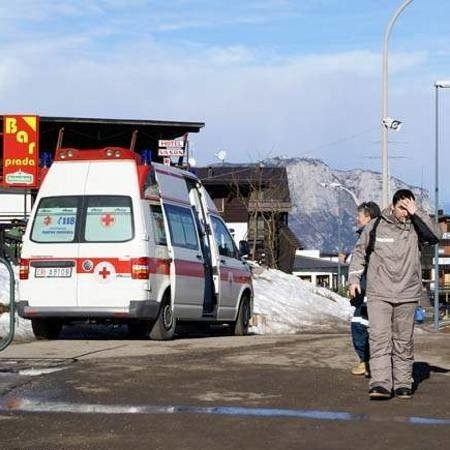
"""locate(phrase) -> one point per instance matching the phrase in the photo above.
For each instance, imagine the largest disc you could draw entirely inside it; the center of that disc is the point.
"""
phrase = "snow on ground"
(23, 331)
(285, 304)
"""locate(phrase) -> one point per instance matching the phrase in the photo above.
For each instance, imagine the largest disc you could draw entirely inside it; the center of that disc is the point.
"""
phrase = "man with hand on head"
(394, 284)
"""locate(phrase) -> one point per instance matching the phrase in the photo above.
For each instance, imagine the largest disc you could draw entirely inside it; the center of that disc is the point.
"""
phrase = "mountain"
(324, 200)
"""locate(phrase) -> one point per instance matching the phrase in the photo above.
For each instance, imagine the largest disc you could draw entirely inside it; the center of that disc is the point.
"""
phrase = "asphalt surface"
(220, 392)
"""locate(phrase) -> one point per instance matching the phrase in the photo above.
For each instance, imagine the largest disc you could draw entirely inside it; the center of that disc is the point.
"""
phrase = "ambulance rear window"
(108, 219)
(55, 220)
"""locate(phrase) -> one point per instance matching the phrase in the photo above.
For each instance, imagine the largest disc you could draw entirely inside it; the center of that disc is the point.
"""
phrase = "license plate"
(53, 272)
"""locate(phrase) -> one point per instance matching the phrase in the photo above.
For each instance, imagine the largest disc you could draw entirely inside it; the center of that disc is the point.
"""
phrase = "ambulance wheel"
(46, 328)
(139, 329)
(164, 327)
(240, 326)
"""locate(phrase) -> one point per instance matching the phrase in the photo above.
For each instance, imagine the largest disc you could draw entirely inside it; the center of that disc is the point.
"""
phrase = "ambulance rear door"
(112, 238)
(52, 253)
(50, 244)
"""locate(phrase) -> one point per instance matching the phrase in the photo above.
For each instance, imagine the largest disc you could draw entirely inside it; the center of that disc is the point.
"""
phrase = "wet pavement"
(215, 392)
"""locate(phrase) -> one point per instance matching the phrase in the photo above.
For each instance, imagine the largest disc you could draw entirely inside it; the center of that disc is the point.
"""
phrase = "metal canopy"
(81, 132)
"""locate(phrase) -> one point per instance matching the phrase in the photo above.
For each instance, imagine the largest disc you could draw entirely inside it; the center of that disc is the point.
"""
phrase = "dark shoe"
(403, 392)
(379, 393)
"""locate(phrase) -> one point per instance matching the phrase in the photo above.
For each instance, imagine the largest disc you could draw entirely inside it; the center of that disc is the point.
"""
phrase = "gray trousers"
(391, 342)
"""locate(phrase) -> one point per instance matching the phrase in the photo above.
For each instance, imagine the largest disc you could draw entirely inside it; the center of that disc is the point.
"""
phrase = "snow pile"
(23, 331)
(285, 304)
(4, 284)
(22, 328)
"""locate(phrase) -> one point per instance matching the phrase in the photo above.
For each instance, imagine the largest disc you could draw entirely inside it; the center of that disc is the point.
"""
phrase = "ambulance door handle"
(200, 257)
(222, 261)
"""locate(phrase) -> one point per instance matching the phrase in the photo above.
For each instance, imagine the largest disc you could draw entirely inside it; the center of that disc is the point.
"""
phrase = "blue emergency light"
(45, 160)
(146, 157)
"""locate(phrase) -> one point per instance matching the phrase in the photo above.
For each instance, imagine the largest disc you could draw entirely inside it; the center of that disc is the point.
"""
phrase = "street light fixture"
(437, 85)
(392, 124)
(384, 148)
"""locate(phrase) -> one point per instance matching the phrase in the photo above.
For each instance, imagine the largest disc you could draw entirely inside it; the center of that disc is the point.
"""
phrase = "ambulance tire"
(164, 327)
(45, 329)
(240, 326)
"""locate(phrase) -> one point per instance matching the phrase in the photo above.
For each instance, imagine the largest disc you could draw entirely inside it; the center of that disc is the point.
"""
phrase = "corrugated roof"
(84, 132)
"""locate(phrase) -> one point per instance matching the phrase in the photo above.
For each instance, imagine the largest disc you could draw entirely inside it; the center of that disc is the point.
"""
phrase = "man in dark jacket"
(365, 213)
(394, 286)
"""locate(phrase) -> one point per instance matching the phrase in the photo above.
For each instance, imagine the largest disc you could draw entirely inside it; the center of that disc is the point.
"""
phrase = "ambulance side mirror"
(244, 249)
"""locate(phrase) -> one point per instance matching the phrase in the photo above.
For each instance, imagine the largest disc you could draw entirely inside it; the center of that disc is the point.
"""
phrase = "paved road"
(218, 393)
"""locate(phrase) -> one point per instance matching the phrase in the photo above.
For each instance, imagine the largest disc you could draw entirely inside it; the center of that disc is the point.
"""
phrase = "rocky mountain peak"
(325, 200)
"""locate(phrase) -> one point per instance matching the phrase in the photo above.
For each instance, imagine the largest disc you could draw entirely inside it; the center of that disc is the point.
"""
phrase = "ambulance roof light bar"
(103, 154)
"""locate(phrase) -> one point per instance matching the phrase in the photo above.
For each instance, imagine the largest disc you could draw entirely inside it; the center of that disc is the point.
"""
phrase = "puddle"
(33, 367)
(37, 372)
(36, 406)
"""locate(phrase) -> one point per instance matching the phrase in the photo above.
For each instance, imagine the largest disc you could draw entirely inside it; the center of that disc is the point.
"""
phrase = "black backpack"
(425, 237)
(372, 238)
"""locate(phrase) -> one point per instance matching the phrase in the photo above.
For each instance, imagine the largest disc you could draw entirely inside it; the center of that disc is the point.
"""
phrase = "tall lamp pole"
(437, 85)
(384, 152)
(339, 186)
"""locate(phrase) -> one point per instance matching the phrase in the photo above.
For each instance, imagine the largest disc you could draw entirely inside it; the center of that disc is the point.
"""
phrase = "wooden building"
(254, 201)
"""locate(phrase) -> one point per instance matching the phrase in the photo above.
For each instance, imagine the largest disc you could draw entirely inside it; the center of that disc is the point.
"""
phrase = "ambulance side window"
(159, 231)
(182, 227)
(109, 218)
(225, 242)
(56, 220)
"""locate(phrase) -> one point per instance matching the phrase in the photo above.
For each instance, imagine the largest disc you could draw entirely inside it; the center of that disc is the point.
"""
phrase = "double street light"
(437, 85)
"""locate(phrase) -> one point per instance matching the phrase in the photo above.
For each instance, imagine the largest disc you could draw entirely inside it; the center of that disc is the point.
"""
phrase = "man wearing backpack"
(366, 211)
(394, 285)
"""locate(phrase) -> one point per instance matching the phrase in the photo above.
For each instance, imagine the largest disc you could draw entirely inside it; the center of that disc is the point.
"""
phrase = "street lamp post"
(385, 127)
(437, 85)
(355, 199)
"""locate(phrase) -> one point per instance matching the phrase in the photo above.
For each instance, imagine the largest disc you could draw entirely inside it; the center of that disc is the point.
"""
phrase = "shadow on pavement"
(120, 332)
(422, 371)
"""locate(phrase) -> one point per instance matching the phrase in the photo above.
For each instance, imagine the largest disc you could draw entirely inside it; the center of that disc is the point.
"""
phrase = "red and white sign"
(167, 161)
(20, 151)
(174, 143)
(171, 152)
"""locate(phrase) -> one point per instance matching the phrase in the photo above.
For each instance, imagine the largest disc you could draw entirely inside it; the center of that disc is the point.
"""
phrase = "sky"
(269, 77)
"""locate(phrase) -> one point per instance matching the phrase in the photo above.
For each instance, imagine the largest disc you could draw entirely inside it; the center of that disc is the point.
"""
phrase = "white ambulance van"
(112, 240)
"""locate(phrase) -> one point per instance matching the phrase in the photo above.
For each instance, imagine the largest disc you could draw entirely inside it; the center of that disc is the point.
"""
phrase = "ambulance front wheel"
(240, 326)
(46, 328)
(164, 327)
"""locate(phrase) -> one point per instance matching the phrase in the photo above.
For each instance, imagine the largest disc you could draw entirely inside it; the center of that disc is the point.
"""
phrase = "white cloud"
(252, 104)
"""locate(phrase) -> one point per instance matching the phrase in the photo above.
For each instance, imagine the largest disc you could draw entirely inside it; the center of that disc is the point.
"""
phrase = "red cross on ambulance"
(104, 272)
(108, 220)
